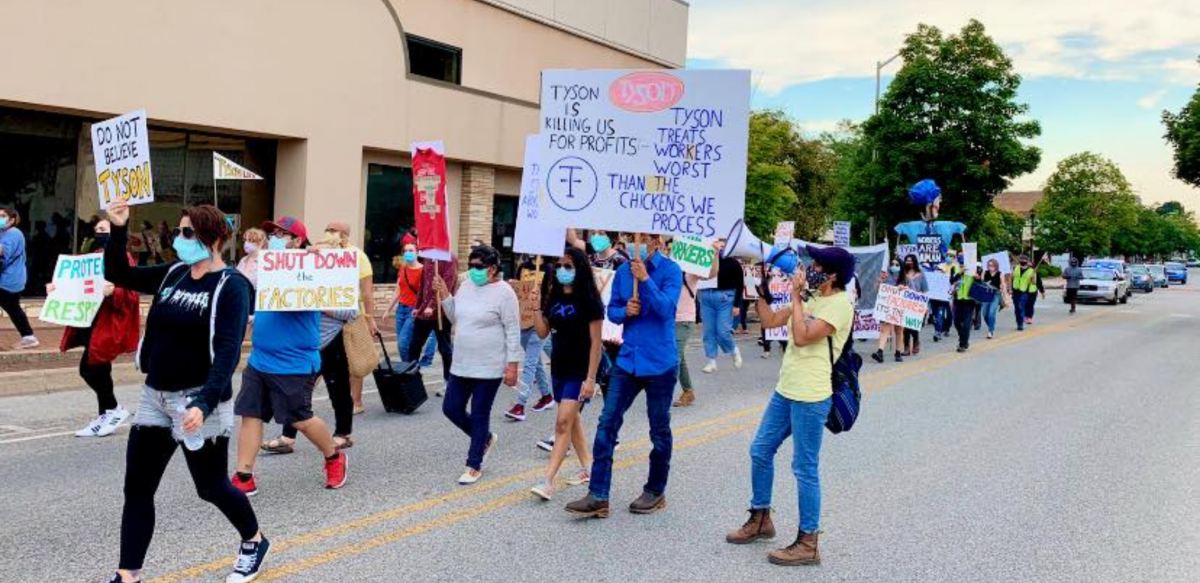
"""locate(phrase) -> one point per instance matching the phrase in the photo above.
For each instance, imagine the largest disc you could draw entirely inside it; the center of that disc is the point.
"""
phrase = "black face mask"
(101, 239)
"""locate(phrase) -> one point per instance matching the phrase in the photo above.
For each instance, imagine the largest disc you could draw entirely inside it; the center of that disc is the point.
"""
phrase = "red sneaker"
(546, 402)
(247, 487)
(335, 471)
(517, 413)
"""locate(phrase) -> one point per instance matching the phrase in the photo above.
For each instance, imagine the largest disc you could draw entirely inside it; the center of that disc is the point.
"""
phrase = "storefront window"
(389, 216)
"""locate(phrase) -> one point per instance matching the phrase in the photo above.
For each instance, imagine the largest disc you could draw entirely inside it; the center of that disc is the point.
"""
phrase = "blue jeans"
(623, 388)
(404, 326)
(989, 313)
(716, 311)
(941, 316)
(805, 423)
(1020, 304)
(532, 370)
(481, 393)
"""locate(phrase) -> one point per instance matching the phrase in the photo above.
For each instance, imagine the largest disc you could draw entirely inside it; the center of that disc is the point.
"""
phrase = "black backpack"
(847, 398)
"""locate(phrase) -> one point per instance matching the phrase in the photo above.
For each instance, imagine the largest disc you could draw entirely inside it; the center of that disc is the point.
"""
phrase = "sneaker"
(545, 403)
(247, 487)
(517, 413)
(249, 564)
(27, 343)
(544, 491)
(546, 444)
(899, 357)
(937, 337)
(588, 507)
(469, 476)
(93, 429)
(711, 367)
(877, 356)
(439, 393)
(117, 579)
(962, 349)
(990, 336)
(765, 355)
(493, 439)
(737, 357)
(583, 477)
(335, 471)
(113, 418)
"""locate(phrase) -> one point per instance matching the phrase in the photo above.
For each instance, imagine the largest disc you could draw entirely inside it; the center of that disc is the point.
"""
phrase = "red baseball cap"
(290, 224)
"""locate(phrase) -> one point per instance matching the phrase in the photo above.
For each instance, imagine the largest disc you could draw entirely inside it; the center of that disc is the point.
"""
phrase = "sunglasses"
(187, 232)
(476, 266)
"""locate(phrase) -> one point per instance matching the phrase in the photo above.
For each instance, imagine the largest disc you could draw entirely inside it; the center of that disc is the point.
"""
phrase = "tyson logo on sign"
(646, 91)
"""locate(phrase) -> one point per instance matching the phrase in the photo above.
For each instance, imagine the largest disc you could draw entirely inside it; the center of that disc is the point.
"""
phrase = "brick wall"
(478, 192)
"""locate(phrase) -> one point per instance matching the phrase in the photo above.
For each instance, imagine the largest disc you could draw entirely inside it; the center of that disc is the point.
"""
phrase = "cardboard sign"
(781, 299)
(536, 234)
(226, 169)
(660, 151)
(1002, 260)
(902, 307)
(301, 281)
(693, 254)
(121, 148)
(785, 231)
(939, 284)
(528, 300)
(78, 291)
(752, 276)
(929, 250)
(865, 325)
(431, 210)
(841, 233)
(970, 253)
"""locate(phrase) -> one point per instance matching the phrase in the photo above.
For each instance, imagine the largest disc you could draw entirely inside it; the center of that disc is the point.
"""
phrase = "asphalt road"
(1067, 452)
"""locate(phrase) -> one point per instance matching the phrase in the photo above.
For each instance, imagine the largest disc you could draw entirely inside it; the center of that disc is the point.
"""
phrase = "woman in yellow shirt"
(821, 313)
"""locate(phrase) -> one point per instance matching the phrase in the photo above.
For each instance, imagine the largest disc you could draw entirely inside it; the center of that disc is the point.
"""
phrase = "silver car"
(1104, 285)
(1160, 274)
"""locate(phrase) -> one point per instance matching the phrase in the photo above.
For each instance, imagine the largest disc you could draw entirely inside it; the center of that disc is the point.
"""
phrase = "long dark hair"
(585, 281)
(904, 266)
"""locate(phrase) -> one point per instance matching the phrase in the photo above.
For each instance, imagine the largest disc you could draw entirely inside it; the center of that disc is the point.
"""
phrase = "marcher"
(533, 372)
(253, 241)
(649, 333)
(574, 312)
(718, 306)
(487, 326)
(894, 276)
(280, 375)
(994, 278)
(821, 319)
(425, 314)
(1073, 275)
(1038, 289)
(1023, 287)
(14, 276)
(685, 324)
(961, 281)
(408, 283)
(193, 342)
(114, 331)
(914, 280)
(366, 294)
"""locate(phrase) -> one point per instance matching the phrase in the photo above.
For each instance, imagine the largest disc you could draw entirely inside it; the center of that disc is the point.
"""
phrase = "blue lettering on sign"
(572, 184)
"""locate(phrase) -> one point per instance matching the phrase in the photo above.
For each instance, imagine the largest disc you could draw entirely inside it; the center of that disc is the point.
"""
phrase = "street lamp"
(879, 65)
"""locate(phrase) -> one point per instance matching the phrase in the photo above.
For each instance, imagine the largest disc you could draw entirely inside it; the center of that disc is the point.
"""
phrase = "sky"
(1097, 74)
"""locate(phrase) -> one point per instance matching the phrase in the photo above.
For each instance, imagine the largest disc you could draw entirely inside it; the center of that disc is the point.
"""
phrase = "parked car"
(1117, 265)
(1141, 279)
(1160, 274)
(1193, 263)
(1176, 272)
(1103, 285)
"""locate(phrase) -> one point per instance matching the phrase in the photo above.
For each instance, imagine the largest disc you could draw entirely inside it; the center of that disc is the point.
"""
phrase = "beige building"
(321, 97)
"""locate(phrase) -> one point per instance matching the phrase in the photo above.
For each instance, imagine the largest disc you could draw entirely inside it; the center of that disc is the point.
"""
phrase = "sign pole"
(637, 256)
(437, 272)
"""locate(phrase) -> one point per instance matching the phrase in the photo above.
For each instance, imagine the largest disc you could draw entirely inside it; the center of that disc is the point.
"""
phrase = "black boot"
(878, 355)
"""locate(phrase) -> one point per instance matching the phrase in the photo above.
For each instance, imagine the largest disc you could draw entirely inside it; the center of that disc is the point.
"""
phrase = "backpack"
(847, 398)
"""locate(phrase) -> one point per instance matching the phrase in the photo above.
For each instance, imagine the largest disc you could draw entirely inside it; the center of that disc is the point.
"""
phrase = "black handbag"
(400, 385)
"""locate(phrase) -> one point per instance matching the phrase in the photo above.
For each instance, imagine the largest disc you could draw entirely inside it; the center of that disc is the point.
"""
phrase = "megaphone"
(742, 243)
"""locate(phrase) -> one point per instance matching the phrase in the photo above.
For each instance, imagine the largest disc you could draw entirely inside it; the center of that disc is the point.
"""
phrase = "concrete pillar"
(475, 222)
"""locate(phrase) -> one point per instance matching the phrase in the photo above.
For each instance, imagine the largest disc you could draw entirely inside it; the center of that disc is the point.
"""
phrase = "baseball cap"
(290, 224)
(834, 260)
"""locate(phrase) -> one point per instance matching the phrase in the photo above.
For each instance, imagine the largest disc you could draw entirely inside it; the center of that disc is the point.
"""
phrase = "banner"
(905, 250)
(693, 254)
(78, 291)
(841, 234)
(865, 326)
(870, 261)
(536, 235)
(785, 231)
(646, 151)
(122, 152)
(609, 332)
(1001, 258)
(226, 169)
(299, 281)
(781, 299)
(902, 307)
(527, 299)
(929, 250)
(430, 211)
(970, 253)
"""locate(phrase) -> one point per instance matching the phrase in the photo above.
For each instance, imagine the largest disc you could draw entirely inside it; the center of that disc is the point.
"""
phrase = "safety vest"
(1023, 279)
(964, 284)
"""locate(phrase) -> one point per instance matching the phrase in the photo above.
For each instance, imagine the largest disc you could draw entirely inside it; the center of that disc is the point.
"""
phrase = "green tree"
(789, 178)
(952, 115)
(1087, 201)
(1183, 133)
(1000, 230)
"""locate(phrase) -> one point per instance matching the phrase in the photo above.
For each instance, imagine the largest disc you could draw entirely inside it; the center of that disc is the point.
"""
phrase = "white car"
(1103, 284)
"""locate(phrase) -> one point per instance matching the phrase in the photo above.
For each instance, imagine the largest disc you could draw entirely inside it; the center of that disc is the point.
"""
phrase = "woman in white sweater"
(487, 327)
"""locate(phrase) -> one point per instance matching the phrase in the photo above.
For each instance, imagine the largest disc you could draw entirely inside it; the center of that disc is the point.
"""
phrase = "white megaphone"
(742, 243)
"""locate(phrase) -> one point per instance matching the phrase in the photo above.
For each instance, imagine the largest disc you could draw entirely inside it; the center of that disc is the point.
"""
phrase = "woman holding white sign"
(914, 279)
(192, 344)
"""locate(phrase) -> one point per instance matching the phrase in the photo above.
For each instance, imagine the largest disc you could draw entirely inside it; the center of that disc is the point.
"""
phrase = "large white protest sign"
(939, 285)
(929, 250)
(536, 234)
(122, 151)
(785, 231)
(646, 151)
(609, 332)
(970, 253)
(693, 254)
(78, 291)
(901, 306)
(1001, 259)
(865, 325)
(300, 281)
(841, 233)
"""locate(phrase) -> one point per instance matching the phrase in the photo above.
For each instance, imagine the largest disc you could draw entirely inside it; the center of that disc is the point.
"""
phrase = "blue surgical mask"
(410, 256)
(600, 243)
(3, 222)
(478, 276)
(277, 243)
(894, 269)
(190, 251)
(565, 276)
(638, 250)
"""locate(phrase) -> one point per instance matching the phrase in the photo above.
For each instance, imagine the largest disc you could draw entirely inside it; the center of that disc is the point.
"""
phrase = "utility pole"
(879, 65)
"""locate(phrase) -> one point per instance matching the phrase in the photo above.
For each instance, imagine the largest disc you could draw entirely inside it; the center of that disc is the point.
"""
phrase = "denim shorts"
(158, 409)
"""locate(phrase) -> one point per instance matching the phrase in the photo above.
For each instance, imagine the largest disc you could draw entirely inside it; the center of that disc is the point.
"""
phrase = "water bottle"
(194, 440)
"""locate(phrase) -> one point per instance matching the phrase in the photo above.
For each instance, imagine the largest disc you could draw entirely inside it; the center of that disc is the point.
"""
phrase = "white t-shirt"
(487, 329)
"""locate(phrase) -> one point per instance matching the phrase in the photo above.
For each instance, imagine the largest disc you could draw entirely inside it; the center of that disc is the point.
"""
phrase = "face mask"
(816, 278)
(3, 222)
(478, 276)
(190, 251)
(639, 251)
(600, 243)
(250, 248)
(894, 269)
(277, 243)
(565, 276)
(410, 256)
(101, 239)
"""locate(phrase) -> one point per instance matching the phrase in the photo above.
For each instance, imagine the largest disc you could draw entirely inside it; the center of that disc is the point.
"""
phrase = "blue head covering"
(924, 192)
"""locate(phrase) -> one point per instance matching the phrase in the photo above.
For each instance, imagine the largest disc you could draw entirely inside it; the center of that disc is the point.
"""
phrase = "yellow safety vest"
(1023, 280)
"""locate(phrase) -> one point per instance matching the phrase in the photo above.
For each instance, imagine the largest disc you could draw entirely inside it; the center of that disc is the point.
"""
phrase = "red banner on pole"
(432, 215)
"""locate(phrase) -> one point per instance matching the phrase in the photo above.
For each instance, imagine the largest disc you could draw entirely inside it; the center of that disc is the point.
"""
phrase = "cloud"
(789, 42)
(1151, 101)
(1183, 71)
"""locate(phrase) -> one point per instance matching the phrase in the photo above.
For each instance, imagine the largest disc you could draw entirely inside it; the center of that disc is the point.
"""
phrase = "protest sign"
(841, 233)
(865, 326)
(970, 253)
(752, 276)
(226, 169)
(939, 284)
(609, 332)
(781, 299)
(902, 307)
(297, 281)
(785, 231)
(527, 298)
(430, 209)
(693, 254)
(929, 250)
(122, 152)
(905, 250)
(646, 151)
(78, 291)
(1001, 258)
(536, 235)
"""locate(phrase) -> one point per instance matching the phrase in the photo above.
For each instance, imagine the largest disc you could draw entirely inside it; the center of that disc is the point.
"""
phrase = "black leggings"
(99, 378)
(335, 369)
(11, 304)
(150, 450)
(912, 339)
(420, 333)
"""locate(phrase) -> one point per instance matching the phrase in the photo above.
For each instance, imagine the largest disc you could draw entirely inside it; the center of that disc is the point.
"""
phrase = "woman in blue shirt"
(13, 276)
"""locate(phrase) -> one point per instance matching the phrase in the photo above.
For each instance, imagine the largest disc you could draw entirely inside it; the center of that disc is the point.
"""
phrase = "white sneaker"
(26, 343)
(583, 477)
(737, 357)
(469, 477)
(543, 491)
(93, 428)
(113, 419)
(711, 367)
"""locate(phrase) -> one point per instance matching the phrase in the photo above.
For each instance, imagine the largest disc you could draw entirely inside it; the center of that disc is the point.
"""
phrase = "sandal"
(341, 442)
(278, 446)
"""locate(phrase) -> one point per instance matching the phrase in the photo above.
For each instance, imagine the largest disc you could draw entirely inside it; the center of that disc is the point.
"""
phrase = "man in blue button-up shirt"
(647, 362)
